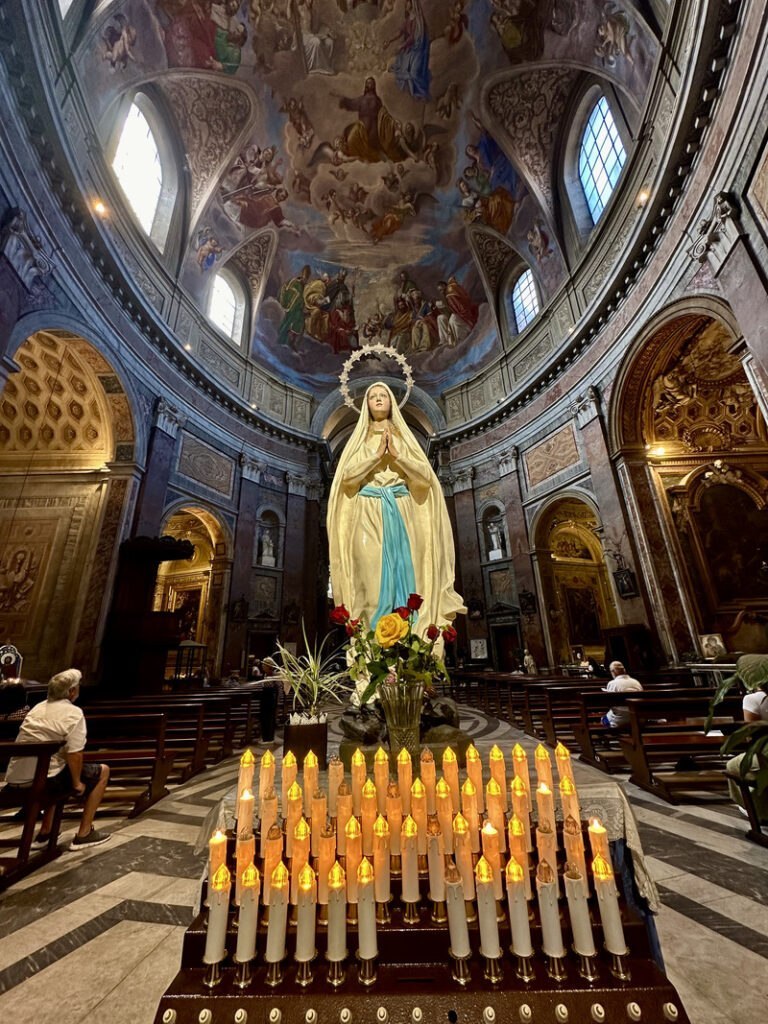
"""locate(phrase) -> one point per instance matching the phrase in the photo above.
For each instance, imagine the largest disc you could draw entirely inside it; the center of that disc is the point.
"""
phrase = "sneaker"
(40, 841)
(93, 838)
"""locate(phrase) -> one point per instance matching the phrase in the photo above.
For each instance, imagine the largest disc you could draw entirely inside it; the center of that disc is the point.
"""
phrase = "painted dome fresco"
(362, 172)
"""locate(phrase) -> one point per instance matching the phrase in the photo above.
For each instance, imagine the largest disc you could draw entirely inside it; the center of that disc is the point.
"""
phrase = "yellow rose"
(390, 629)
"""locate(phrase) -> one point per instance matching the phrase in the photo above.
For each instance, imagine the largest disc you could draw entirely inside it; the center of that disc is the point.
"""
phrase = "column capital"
(297, 484)
(586, 407)
(509, 460)
(24, 251)
(718, 233)
(314, 487)
(447, 480)
(252, 468)
(168, 418)
(463, 479)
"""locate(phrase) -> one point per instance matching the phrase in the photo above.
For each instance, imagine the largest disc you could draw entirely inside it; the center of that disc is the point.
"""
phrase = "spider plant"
(311, 677)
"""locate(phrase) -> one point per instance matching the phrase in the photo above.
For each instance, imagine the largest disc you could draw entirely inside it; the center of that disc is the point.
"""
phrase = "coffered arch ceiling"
(349, 156)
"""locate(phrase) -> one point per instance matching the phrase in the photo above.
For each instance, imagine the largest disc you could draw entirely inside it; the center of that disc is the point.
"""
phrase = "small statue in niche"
(529, 665)
(267, 548)
(496, 539)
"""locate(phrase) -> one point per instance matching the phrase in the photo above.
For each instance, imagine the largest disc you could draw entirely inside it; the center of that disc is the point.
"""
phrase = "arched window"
(525, 301)
(226, 305)
(601, 158)
(145, 166)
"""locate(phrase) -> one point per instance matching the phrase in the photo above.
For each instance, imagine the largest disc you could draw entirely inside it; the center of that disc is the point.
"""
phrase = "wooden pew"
(666, 747)
(536, 703)
(32, 800)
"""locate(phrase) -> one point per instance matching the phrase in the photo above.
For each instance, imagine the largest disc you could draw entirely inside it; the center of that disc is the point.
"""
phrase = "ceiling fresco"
(371, 170)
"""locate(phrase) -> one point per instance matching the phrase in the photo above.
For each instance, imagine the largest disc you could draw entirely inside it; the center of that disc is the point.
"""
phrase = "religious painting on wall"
(583, 618)
(187, 605)
(734, 560)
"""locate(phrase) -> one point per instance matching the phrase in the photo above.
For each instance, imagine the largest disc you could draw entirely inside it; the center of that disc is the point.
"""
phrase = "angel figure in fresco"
(189, 34)
(458, 22)
(457, 313)
(613, 35)
(118, 38)
(316, 40)
(208, 249)
(299, 121)
(411, 64)
(393, 219)
(518, 24)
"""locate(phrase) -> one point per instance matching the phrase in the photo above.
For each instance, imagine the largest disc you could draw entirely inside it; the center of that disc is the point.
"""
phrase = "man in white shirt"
(58, 720)
(755, 708)
(618, 718)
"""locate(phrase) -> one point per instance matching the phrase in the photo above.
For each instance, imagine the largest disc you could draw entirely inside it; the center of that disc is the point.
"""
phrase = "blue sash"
(398, 580)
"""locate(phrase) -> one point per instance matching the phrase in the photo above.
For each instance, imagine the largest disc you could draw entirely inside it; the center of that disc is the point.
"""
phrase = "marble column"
(242, 561)
(468, 550)
(520, 551)
(294, 569)
(160, 458)
(315, 588)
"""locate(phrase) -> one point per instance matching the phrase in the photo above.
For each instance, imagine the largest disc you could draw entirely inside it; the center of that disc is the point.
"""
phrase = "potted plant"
(315, 682)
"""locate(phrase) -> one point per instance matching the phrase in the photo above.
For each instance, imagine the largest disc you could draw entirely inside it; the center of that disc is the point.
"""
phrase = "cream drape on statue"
(355, 526)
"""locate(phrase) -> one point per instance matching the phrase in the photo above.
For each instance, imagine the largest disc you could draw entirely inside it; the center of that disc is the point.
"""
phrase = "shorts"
(60, 785)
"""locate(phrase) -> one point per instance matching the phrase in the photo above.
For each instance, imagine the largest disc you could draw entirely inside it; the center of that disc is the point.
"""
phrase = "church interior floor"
(96, 935)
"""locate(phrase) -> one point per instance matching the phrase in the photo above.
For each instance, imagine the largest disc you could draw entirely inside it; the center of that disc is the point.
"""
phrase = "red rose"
(339, 615)
(415, 602)
(403, 612)
(352, 626)
(449, 634)
(432, 632)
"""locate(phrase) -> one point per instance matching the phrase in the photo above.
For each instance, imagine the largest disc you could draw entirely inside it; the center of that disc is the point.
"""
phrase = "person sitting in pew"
(622, 682)
(57, 719)
(755, 707)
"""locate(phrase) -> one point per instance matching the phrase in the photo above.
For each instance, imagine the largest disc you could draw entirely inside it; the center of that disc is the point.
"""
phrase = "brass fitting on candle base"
(439, 913)
(524, 969)
(351, 913)
(304, 975)
(274, 974)
(460, 968)
(423, 865)
(492, 971)
(395, 865)
(587, 967)
(411, 915)
(322, 915)
(212, 975)
(469, 906)
(382, 912)
(556, 967)
(264, 917)
(619, 967)
(366, 971)
(243, 973)
(336, 973)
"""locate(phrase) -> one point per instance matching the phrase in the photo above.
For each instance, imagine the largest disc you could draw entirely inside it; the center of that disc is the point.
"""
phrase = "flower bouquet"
(395, 664)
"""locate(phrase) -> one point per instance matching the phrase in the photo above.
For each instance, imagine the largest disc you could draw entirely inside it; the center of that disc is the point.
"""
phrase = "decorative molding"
(24, 251)
(718, 234)
(298, 484)
(557, 452)
(212, 358)
(447, 480)
(509, 460)
(315, 489)
(462, 479)
(252, 468)
(586, 407)
(199, 462)
(168, 418)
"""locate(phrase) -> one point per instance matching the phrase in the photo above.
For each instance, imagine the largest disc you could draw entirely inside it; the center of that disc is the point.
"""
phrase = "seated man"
(755, 707)
(57, 719)
(618, 718)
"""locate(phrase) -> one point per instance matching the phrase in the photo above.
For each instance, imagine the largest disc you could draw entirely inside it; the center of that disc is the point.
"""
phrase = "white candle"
(474, 765)
(289, 771)
(574, 845)
(569, 799)
(492, 855)
(218, 911)
(358, 773)
(300, 857)
(451, 776)
(217, 852)
(245, 805)
(405, 779)
(274, 851)
(409, 845)
(368, 814)
(381, 855)
(354, 845)
(543, 764)
(248, 916)
(366, 912)
(444, 813)
(563, 762)
(268, 808)
(311, 774)
(463, 855)
(319, 818)
(325, 861)
(486, 910)
(337, 914)
(429, 778)
(546, 849)
(469, 811)
(608, 904)
(335, 779)
(381, 778)
(419, 814)
(245, 778)
(245, 852)
(343, 814)
(545, 805)
(521, 806)
(457, 912)
(278, 914)
(435, 860)
(578, 911)
(495, 810)
(598, 840)
(295, 807)
(498, 771)
(266, 777)
(518, 847)
(394, 817)
(307, 912)
(549, 914)
(517, 898)
(520, 766)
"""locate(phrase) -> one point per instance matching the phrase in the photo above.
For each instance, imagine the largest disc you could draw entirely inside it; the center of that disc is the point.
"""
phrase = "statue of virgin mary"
(388, 528)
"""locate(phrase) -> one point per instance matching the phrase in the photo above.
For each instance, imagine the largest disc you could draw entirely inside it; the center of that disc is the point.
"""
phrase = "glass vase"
(402, 702)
